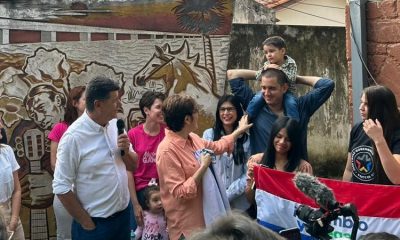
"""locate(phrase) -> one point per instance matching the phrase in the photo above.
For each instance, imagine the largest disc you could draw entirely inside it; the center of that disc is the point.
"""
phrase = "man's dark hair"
(275, 73)
(99, 88)
(176, 108)
(275, 41)
(148, 99)
(236, 226)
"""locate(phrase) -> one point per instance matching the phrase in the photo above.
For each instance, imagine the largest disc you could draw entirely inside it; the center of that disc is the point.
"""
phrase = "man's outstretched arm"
(236, 79)
(241, 73)
(307, 80)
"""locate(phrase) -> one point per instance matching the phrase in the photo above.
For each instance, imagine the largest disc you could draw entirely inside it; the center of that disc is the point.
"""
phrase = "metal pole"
(358, 53)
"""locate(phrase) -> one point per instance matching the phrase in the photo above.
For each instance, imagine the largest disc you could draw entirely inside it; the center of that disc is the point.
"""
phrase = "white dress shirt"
(89, 163)
(8, 165)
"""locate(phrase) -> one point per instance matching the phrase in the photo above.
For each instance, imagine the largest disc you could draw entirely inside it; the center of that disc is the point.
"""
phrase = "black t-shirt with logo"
(362, 156)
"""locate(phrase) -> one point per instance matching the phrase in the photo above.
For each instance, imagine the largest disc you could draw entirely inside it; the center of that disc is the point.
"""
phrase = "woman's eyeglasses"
(229, 109)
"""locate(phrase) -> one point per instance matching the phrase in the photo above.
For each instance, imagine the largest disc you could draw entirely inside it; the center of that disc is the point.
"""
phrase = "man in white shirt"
(90, 177)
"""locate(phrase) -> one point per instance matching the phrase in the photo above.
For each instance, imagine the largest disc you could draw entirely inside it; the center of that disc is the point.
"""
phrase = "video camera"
(317, 221)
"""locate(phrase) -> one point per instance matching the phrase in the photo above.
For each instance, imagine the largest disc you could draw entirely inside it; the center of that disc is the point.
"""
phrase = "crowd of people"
(160, 180)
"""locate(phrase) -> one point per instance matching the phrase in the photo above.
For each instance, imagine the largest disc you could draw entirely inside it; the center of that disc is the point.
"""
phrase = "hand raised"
(244, 124)
(373, 129)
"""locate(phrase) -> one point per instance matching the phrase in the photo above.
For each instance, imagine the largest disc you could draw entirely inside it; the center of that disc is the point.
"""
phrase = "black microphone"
(316, 190)
(121, 127)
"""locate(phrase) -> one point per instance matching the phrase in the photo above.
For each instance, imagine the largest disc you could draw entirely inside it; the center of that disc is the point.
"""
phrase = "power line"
(319, 5)
(313, 15)
(359, 52)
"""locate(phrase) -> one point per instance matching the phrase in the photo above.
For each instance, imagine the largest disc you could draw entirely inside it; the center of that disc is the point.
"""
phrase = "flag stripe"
(370, 200)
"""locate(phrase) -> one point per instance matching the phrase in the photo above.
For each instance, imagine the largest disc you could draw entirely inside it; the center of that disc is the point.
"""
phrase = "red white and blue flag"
(277, 198)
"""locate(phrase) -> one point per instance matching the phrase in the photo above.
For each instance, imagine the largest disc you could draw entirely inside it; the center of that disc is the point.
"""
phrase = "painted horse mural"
(181, 73)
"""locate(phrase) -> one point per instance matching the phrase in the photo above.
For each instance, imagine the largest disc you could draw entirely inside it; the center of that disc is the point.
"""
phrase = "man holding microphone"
(90, 176)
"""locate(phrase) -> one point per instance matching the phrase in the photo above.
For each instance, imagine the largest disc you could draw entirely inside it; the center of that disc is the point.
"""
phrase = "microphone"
(316, 190)
(121, 127)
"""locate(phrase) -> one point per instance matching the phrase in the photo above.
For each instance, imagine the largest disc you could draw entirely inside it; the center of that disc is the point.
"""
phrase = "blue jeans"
(114, 227)
(289, 103)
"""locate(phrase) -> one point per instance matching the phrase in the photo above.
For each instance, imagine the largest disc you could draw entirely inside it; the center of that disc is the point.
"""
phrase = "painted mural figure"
(181, 73)
(45, 105)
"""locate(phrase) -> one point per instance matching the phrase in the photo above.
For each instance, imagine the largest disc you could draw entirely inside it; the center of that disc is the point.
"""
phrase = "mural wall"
(65, 46)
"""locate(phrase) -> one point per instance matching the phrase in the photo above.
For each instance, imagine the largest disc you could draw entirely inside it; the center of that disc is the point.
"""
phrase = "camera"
(316, 221)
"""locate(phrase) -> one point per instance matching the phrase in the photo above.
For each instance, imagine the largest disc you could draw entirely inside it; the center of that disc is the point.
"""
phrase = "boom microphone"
(121, 127)
(316, 190)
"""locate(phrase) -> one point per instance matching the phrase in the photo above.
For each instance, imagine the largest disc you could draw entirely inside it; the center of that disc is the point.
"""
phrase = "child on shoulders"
(275, 53)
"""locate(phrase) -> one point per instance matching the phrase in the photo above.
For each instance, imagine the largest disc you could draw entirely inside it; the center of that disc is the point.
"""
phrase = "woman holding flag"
(282, 154)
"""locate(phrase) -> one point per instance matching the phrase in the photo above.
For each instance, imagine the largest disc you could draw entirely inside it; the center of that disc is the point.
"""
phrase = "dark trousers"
(142, 202)
(113, 227)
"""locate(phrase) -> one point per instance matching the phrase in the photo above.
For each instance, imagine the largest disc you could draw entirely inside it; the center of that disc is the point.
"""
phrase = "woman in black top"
(374, 148)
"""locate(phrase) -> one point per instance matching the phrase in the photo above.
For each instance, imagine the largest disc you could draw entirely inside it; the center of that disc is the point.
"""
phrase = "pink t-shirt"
(58, 131)
(155, 227)
(146, 147)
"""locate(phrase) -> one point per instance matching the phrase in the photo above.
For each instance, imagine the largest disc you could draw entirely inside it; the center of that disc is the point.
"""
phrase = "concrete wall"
(251, 12)
(312, 13)
(318, 51)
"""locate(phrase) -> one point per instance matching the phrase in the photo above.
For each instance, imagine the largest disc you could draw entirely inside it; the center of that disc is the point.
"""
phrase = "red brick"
(389, 78)
(376, 48)
(394, 51)
(67, 36)
(376, 63)
(373, 11)
(388, 8)
(24, 36)
(99, 36)
(383, 31)
(121, 36)
(348, 42)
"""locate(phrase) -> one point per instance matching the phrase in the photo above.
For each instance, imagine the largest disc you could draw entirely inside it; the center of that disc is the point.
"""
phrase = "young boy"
(275, 53)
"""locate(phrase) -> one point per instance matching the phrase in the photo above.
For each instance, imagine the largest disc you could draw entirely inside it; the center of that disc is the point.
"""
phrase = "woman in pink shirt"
(145, 139)
(181, 165)
(75, 107)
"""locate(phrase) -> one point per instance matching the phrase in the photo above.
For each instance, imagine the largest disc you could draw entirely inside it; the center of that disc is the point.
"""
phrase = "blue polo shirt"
(262, 123)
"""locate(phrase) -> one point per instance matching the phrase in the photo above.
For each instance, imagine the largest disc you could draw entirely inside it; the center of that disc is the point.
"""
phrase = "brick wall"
(383, 43)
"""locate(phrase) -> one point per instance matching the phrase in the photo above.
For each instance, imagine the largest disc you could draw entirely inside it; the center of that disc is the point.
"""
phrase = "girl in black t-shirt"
(374, 148)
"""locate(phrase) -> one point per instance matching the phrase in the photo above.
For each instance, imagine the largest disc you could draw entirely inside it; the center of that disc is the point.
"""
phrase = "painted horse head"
(177, 69)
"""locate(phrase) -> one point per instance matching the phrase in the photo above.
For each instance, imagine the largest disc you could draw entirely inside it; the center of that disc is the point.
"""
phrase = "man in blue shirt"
(274, 85)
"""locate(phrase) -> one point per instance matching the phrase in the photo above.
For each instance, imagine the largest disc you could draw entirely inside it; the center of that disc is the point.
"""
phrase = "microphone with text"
(317, 221)
(121, 128)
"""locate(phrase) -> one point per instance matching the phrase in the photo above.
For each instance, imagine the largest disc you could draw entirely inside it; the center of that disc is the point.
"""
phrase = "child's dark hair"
(275, 41)
(147, 194)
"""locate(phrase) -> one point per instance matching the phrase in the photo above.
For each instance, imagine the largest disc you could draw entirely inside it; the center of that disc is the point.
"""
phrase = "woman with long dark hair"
(283, 152)
(75, 107)
(374, 148)
(231, 167)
